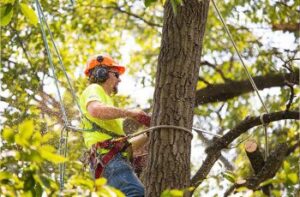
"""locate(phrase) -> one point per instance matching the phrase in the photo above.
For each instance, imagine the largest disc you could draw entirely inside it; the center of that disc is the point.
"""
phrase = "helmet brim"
(119, 68)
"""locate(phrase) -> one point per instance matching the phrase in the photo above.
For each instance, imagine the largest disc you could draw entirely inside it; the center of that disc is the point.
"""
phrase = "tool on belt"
(115, 145)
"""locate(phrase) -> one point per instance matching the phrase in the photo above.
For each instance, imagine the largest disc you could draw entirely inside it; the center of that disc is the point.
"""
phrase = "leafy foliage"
(32, 117)
(28, 159)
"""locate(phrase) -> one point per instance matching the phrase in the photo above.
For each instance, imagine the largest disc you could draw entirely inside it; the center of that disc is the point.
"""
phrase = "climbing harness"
(99, 161)
(247, 72)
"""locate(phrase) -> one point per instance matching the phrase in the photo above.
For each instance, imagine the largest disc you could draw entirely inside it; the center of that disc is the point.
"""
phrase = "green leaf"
(230, 176)
(26, 129)
(6, 14)
(172, 193)
(7, 1)
(8, 135)
(50, 156)
(293, 177)
(29, 13)
(286, 166)
(78, 180)
(269, 181)
(149, 2)
(5, 175)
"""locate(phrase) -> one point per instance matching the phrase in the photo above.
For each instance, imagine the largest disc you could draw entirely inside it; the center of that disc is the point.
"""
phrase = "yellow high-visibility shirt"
(95, 92)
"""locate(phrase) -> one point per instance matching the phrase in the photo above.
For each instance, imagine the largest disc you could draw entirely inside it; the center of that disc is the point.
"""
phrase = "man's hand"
(141, 117)
(134, 114)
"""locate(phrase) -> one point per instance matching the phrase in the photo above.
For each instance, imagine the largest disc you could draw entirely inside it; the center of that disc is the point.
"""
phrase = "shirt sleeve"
(93, 93)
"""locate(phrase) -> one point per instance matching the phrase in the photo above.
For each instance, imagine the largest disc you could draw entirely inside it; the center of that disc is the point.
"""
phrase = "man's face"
(113, 80)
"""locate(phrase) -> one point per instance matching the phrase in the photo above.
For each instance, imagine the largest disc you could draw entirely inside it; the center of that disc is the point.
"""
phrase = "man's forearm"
(103, 112)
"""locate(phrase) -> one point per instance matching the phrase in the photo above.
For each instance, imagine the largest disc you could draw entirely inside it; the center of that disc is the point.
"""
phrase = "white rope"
(148, 130)
(247, 72)
(240, 57)
(62, 107)
(261, 117)
(161, 127)
(61, 62)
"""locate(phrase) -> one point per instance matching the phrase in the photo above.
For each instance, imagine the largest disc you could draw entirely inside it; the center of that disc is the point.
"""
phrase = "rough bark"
(257, 160)
(255, 156)
(268, 171)
(178, 66)
(291, 27)
(270, 168)
(229, 90)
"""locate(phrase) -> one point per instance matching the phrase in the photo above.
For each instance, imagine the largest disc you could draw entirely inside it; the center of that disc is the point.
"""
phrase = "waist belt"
(100, 161)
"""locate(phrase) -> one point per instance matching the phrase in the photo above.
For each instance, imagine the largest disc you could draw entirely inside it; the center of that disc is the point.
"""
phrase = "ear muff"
(99, 74)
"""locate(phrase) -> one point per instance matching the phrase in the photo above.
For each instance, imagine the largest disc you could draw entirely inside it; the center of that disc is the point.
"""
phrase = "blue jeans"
(119, 174)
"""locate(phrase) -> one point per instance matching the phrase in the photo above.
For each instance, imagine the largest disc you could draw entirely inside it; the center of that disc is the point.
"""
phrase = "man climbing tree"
(108, 156)
(219, 98)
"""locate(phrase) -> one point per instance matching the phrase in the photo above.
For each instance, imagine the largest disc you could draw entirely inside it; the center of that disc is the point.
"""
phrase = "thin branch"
(207, 142)
(216, 69)
(288, 105)
(293, 148)
(119, 9)
(204, 81)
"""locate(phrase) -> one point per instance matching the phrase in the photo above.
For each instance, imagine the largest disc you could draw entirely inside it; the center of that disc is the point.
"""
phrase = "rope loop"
(261, 117)
(161, 127)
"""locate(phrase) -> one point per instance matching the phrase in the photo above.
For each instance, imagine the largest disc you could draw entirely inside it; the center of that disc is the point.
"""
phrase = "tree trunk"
(178, 67)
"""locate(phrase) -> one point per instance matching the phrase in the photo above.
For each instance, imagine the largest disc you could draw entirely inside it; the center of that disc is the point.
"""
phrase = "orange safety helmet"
(103, 60)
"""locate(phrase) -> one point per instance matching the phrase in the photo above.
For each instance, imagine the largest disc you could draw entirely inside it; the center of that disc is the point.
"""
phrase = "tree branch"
(288, 105)
(223, 92)
(214, 151)
(291, 27)
(216, 69)
(256, 160)
(268, 171)
(207, 142)
(119, 9)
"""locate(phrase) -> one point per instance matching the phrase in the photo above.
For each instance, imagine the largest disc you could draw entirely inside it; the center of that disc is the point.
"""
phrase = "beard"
(115, 89)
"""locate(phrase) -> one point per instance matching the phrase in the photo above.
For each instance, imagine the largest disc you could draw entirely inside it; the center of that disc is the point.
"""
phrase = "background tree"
(224, 98)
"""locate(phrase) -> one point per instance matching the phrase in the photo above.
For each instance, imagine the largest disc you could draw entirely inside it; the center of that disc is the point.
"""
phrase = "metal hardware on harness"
(99, 162)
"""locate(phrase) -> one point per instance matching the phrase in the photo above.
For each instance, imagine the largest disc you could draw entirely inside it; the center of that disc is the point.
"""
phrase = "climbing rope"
(161, 127)
(247, 72)
(63, 140)
(61, 62)
(261, 117)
